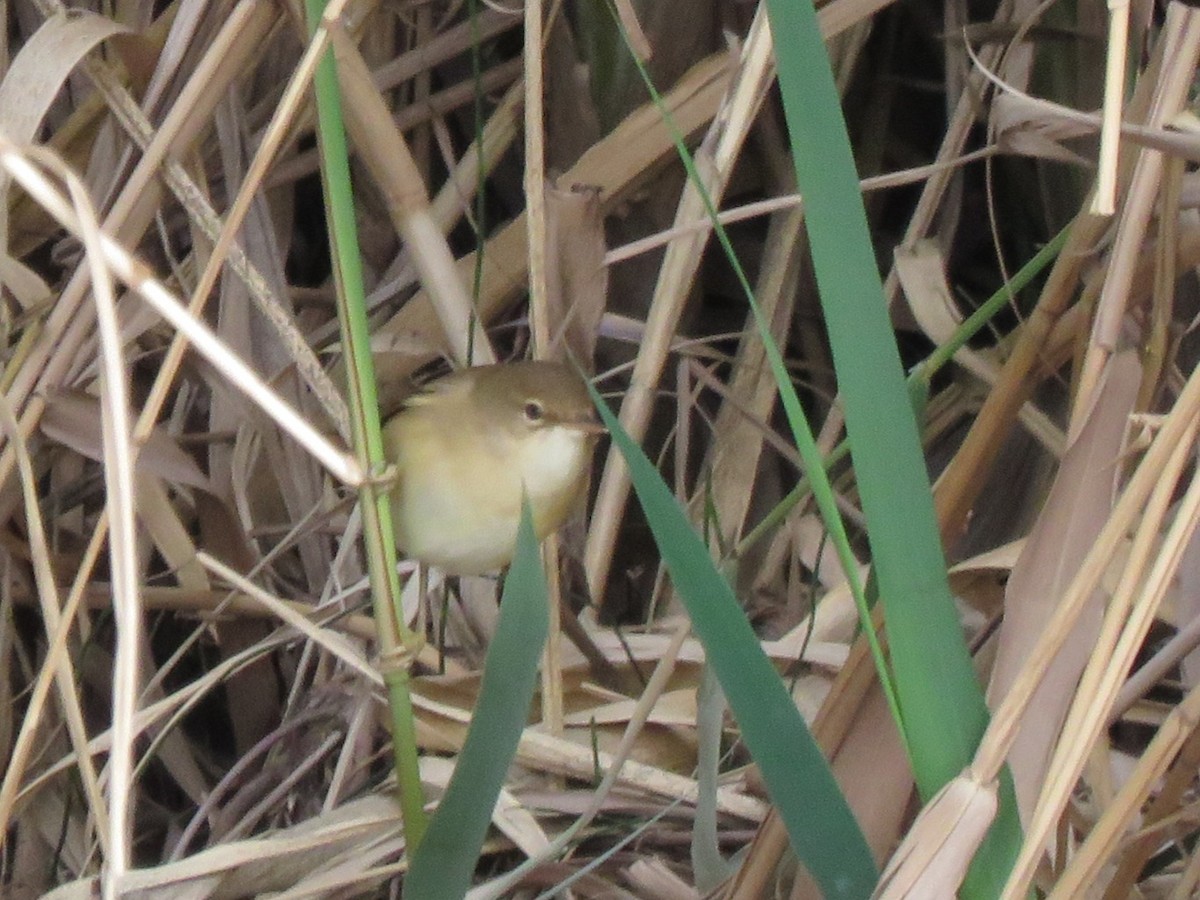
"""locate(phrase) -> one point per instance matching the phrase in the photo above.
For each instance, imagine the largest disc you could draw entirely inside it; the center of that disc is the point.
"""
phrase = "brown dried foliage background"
(250, 729)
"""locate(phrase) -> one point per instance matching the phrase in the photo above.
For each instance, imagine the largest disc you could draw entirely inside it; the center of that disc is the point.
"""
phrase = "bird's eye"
(534, 411)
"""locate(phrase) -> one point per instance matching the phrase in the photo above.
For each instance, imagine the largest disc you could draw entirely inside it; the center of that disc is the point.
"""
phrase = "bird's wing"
(450, 385)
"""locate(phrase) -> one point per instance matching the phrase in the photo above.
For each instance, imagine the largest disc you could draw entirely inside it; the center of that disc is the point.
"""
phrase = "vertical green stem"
(397, 645)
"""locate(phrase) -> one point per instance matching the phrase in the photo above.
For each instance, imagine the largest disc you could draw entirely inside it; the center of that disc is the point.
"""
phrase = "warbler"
(467, 446)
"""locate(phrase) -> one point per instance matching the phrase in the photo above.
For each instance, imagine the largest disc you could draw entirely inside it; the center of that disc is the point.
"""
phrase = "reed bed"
(886, 580)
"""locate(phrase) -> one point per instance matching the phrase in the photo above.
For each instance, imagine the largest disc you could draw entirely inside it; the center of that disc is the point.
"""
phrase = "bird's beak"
(590, 424)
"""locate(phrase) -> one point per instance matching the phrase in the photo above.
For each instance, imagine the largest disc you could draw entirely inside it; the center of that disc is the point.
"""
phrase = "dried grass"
(228, 631)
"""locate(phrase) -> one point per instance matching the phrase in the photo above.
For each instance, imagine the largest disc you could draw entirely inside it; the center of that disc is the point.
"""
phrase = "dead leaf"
(72, 418)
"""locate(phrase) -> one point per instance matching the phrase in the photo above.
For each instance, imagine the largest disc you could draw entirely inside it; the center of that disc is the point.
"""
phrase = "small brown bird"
(465, 447)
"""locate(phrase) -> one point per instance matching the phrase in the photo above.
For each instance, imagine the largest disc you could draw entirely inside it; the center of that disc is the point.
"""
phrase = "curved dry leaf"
(922, 274)
(41, 68)
(72, 419)
(37, 74)
(1027, 128)
(1034, 125)
(921, 270)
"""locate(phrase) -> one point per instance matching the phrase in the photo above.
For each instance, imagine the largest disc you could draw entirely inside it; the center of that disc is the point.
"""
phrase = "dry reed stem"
(534, 173)
(129, 270)
(1104, 202)
(363, 861)
(1182, 50)
(1167, 455)
(384, 150)
(737, 439)
(1150, 470)
(537, 29)
(282, 120)
(56, 666)
(1102, 843)
(612, 166)
(714, 161)
(1127, 621)
(1071, 517)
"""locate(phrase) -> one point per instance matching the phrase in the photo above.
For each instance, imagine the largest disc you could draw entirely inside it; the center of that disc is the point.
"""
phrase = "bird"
(469, 445)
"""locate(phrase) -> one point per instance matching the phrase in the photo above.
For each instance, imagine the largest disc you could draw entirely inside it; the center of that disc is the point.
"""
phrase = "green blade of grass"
(805, 443)
(941, 702)
(890, 471)
(445, 860)
(820, 825)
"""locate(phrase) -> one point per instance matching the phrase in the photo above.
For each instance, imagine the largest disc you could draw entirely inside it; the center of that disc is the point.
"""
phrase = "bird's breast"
(460, 511)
